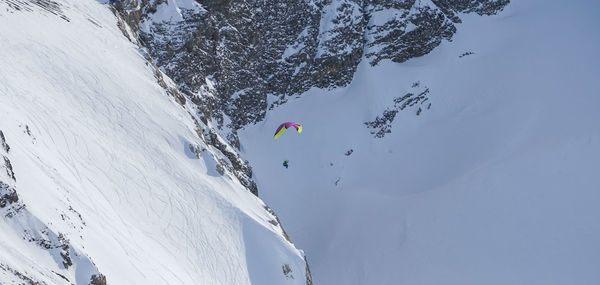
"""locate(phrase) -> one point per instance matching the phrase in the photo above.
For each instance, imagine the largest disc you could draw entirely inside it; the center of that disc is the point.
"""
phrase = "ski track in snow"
(107, 141)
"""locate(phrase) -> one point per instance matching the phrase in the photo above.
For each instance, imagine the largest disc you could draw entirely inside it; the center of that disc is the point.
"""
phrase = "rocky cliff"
(238, 58)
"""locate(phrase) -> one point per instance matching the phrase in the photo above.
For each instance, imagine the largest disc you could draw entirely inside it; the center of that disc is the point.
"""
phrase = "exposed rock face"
(416, 98)
(8, 195)
(98, 279)
(229, 56)
(401, 30)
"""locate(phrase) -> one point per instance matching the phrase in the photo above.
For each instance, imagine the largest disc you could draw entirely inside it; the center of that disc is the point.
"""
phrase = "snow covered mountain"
(107, 176)
(439, 146)
(444, 142)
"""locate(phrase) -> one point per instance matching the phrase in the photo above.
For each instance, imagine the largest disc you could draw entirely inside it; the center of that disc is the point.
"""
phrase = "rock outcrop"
(236, 59)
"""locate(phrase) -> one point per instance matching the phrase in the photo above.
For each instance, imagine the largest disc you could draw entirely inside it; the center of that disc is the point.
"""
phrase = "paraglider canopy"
(283, 127)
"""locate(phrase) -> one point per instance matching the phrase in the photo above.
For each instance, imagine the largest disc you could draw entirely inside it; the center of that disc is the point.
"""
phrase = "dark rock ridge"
(8, 195)
(236, 59)
(416, 98)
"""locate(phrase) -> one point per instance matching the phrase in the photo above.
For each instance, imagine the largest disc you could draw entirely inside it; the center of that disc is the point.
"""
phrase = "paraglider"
(283, 127)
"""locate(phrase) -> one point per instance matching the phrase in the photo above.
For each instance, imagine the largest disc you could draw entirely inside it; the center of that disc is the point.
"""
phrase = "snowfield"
(107, 185)
(475, 164)
(495, 183)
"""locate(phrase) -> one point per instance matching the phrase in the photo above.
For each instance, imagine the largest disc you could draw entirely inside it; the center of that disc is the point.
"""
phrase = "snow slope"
(496, 183)
(103, 169)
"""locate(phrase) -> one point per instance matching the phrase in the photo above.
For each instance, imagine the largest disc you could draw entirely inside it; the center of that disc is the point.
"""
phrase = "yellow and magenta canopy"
(283, 127)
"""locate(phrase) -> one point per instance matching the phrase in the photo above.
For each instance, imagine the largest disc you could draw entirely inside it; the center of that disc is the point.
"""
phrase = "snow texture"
(496, 184)
(97, 174)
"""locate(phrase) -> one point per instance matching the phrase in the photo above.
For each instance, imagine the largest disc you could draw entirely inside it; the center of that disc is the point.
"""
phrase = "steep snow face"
(104, 177)
(475, 164)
